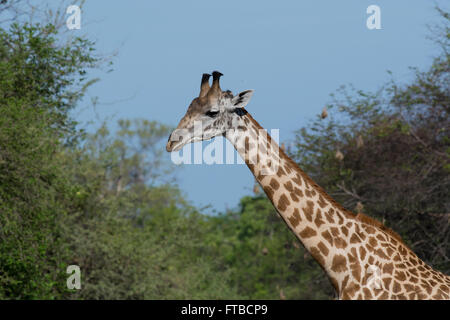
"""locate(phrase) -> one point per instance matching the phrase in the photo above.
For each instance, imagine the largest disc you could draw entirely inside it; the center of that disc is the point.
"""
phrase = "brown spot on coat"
(356, 271)
(367, 294)
(384, 296)
(438, 296)
(346, 296)
(427, 288)
(354, 238)
(396, 287)
(389, 251)
(352, 289)
(402, 250)
(353, 255)
(321, 202)
(381, 254)
(409, 287)
(401, 296)
(400, 275)
(318, 220)
(413, 272)
(388, 268)
(445, 288)
(369, 229)
(309, 210)
(413, 296)
(362, 236)
(288, 168)
(340, 243)
(329, 215)
(327, 236)
(283, 202)
(323, 248)
(295, 218)
(298, 192)
(308, 233)
(306, 183)
(387, 282)
(274, 184)
(280, 172)
(288, 186)
(373, 242)
(339, 263)
(317, 255)
(246, 144)
(340, 219)
(345, 281)
(344, 230)
(334, 231)
(362, 252)
(294, 197)
(297, 179)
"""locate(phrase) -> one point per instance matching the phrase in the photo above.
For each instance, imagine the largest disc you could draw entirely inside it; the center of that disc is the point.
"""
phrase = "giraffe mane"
(375, 223)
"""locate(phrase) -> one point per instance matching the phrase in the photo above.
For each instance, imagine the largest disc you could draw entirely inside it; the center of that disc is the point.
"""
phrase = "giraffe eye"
(212, 114)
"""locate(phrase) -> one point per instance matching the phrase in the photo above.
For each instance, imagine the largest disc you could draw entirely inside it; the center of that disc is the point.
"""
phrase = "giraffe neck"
(344, 245)
(294, 195)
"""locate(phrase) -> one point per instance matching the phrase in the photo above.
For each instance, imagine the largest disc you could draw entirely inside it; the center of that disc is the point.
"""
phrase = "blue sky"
(292, 53)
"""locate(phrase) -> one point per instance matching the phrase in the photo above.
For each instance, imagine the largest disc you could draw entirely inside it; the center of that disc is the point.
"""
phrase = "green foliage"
(43, 75)
(35, 93)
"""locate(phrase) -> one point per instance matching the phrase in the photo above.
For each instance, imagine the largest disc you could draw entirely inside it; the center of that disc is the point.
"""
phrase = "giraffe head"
(209, 115)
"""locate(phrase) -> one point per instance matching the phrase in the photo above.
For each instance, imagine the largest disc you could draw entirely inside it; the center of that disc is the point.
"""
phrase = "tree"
(37, 80)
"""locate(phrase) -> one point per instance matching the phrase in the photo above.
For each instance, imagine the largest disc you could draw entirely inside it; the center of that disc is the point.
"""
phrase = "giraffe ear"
(242, 99)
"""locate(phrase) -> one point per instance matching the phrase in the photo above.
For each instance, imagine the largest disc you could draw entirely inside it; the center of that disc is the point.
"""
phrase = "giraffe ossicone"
(362, 258)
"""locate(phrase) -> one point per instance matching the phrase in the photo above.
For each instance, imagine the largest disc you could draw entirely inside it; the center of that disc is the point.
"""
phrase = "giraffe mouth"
(174, 145)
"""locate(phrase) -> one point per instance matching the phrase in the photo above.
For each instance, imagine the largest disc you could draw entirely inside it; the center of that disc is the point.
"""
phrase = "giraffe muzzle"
(174, 144)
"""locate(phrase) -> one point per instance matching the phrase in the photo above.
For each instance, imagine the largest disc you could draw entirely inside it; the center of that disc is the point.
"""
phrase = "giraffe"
(362, 258)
